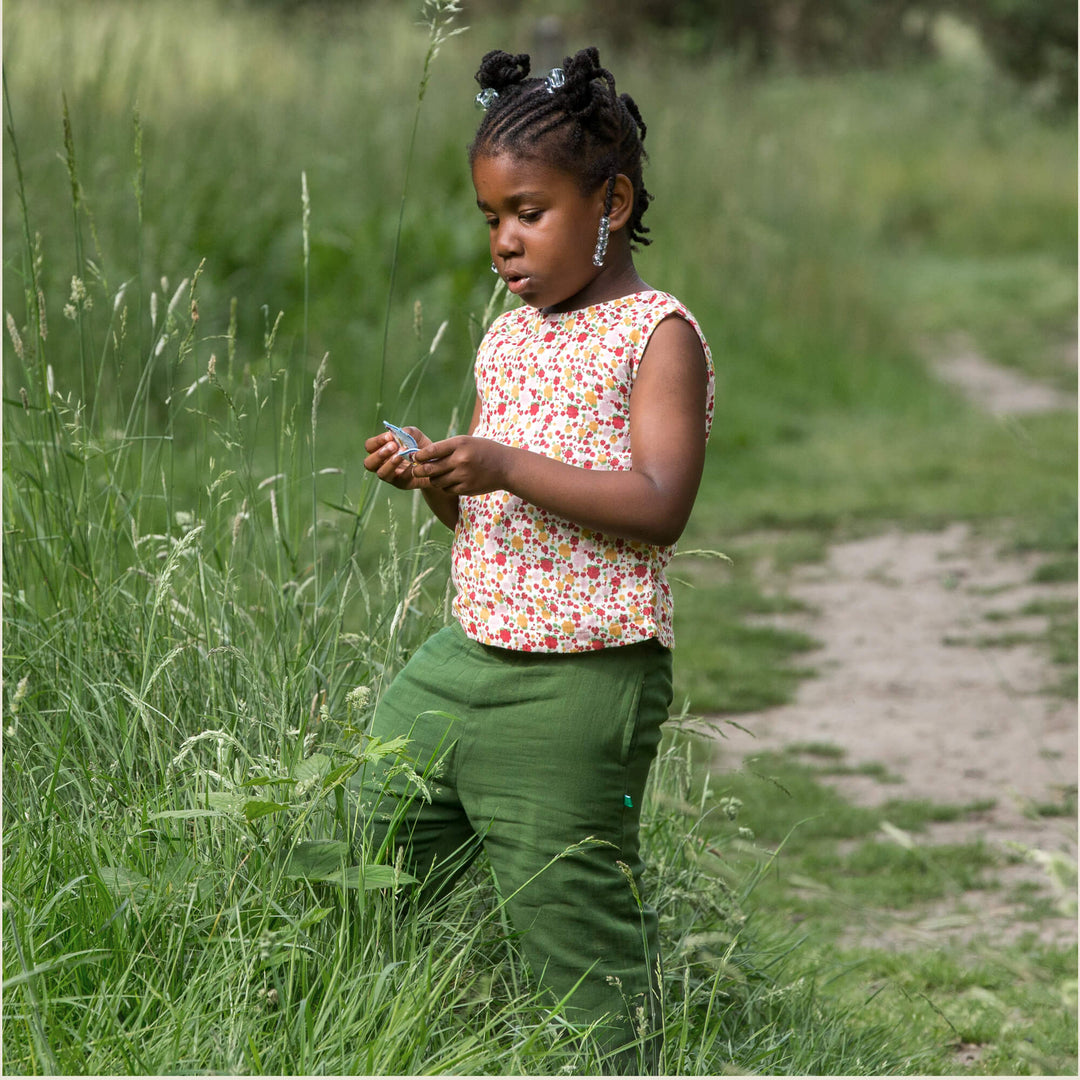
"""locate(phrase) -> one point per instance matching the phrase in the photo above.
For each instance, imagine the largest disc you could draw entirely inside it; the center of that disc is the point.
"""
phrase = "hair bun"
(581, 70)
(499, 69)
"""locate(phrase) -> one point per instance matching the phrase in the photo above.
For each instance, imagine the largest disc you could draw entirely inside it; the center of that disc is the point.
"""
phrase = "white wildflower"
(357, 698)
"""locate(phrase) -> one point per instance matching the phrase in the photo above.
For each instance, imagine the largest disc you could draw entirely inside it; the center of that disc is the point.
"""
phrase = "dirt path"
(908, 680)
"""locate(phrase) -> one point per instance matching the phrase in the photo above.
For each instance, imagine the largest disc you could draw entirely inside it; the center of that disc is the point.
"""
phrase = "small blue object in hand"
(407, 443)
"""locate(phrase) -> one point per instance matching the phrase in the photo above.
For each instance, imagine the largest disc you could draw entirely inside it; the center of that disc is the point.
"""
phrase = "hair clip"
(555, 78)
(487, 97)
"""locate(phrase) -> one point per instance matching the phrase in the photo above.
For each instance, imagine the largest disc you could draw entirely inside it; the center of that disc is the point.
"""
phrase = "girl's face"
(542, 230)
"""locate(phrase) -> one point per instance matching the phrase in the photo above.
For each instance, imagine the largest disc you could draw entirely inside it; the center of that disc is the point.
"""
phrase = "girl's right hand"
(384, 462)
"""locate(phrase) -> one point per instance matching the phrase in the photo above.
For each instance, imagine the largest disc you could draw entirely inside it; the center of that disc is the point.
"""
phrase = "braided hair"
(582, 127)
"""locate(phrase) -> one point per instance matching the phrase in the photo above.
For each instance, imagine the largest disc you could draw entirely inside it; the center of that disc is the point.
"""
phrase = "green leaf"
(321, 860)
(121, 881)
(373, 877)
(314, 916)
(311, 770)
(316, 859)
(257, 808)
(228, 801)
(375, 748)
(261, 781)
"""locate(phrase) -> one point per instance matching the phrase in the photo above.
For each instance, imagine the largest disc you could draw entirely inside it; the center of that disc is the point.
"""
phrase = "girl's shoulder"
(646, 310)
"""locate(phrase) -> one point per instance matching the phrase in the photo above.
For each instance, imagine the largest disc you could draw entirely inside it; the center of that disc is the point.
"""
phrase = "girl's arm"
(651, 501)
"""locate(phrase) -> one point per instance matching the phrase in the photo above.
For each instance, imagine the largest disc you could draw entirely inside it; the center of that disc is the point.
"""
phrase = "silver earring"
(494, 268)
(601, 241)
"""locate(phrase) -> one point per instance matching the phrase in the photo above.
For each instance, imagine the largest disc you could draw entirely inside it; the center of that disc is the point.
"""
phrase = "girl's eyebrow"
(516, 199)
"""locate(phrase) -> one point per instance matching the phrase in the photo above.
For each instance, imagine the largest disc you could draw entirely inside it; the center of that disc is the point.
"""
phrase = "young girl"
(579, 471)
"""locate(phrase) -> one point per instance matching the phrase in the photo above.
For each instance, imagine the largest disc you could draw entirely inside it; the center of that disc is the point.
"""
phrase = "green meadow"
(233, 243)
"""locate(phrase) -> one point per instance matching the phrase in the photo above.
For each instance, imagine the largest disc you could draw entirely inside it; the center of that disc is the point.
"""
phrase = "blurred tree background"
(1034, 41)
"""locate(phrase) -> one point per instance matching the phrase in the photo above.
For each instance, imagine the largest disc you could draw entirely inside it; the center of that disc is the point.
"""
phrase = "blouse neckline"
(559, 316)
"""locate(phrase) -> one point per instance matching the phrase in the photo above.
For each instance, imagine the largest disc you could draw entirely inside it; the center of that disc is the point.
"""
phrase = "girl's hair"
(582, 126)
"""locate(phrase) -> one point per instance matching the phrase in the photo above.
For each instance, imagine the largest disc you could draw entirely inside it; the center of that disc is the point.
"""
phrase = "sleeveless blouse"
(559, 385)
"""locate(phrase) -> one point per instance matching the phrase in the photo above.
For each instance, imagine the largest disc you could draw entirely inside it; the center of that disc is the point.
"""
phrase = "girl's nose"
(507, 242)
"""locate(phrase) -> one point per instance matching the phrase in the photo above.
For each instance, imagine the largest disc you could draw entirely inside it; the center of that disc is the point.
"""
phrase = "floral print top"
(559, 385)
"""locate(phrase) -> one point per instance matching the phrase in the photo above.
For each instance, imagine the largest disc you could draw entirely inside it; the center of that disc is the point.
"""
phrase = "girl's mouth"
(516, 283)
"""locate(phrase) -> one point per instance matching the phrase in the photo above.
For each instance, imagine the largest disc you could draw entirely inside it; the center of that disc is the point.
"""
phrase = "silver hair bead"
(555, 78)
(487, 97)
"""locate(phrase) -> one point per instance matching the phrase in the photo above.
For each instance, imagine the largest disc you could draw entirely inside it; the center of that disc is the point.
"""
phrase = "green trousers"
(544, 755)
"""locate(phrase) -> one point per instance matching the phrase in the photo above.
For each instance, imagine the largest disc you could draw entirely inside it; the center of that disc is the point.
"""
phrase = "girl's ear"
(622, 202)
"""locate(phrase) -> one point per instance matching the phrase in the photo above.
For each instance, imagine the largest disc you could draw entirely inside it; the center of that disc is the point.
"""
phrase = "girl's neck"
(612, 283)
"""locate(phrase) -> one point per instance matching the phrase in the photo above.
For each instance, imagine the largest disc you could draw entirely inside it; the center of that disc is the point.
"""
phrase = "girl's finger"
(376, 442)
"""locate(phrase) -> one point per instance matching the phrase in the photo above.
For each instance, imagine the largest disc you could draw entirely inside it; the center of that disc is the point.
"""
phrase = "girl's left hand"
(463, 465)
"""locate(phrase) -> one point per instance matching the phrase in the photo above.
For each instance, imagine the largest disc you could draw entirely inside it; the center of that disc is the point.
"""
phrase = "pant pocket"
(630, 723)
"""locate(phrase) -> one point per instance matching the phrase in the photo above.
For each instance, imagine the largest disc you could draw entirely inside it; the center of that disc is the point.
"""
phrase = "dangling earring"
(601, 241)
(494, 268)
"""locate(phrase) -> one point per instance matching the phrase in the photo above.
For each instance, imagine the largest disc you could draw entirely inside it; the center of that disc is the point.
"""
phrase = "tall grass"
(193, 645)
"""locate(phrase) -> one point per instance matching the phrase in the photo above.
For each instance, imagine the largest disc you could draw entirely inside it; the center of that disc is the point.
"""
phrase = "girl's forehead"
(506, 173)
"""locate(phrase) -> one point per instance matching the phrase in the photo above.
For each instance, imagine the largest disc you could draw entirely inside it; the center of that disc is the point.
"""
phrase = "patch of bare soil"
(999, 390)
(907, 680)
(910, 680)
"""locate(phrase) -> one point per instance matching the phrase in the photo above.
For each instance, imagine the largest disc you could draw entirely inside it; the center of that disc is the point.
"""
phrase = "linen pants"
(540, 752)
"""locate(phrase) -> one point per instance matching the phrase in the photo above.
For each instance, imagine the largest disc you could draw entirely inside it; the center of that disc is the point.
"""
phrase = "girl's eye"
(529, 217)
